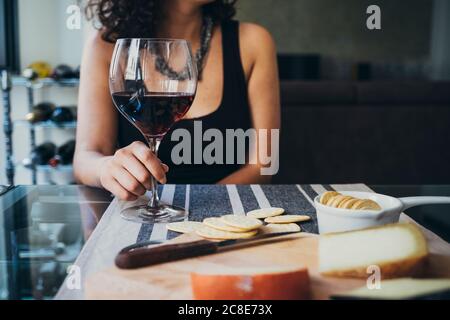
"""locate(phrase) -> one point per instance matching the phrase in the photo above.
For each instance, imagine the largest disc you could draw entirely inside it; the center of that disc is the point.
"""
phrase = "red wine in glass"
(153, 84)
(153, 113)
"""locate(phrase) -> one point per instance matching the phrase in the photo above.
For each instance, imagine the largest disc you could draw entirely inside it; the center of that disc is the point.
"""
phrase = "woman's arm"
(125, 172)
(97, 122)
(258, 51)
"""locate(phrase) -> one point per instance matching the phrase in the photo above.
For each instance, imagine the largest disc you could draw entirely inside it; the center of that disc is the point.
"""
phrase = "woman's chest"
(212, 85)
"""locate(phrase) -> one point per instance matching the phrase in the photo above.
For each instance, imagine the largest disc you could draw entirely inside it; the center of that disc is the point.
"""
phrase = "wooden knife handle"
(137, 258)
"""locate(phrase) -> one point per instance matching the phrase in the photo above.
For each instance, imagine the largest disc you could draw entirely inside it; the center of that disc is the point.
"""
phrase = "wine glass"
(153, 84)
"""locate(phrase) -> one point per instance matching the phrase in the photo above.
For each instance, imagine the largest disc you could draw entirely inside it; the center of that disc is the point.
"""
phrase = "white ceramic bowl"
(338, 220)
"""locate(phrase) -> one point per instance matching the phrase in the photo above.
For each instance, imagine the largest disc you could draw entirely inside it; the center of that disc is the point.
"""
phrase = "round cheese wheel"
(252, 284)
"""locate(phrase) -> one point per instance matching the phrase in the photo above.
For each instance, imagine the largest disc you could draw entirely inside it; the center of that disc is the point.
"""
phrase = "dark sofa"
(371, 132)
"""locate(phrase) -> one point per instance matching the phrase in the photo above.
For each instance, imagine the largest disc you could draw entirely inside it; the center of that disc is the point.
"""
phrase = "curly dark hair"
(139, 18)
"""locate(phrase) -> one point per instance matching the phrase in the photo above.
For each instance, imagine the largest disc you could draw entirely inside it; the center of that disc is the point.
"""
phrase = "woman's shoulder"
(255, 40)
(254, 32)
(255, 36)
(97, 46)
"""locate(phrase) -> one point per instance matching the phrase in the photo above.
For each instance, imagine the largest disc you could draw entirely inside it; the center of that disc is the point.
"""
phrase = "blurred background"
(359, 105)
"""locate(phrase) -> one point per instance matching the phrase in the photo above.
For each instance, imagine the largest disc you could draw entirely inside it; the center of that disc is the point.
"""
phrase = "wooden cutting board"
(172, 280)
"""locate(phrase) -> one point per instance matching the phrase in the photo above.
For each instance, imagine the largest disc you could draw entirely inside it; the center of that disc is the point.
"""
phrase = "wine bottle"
(30, 74)
(38, 69)
(62, 115)
(64, 154)
(43, 153)
(62, 72)
(76, 72)
(41, 112)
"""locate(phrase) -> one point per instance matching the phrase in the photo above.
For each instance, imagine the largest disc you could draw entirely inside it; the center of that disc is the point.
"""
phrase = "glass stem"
(153, 144)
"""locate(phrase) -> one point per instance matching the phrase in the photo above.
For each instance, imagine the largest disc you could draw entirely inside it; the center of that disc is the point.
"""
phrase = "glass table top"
(43, 228)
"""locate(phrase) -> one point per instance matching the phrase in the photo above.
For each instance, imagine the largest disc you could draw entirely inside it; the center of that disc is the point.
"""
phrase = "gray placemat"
(216, 200)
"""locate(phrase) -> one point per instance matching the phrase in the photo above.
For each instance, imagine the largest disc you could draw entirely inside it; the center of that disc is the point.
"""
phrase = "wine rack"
(60, 168)
(31, 86)
(7, 125)
(46, 124)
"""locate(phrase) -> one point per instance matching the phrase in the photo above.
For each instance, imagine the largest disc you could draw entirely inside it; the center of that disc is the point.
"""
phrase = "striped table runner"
(114, 233)
(204, 201)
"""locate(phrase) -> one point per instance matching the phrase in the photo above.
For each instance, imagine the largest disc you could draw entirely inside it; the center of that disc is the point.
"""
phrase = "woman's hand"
(127, 174)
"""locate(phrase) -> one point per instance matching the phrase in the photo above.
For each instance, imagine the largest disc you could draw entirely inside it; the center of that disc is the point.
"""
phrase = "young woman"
(238, 88)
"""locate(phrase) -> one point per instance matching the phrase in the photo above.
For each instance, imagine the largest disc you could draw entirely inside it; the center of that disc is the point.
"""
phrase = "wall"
(328, 26)
(44, 35)
(440, 41)
(338, 32)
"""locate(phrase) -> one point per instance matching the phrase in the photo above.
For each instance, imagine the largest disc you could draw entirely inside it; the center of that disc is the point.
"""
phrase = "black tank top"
(232, 113)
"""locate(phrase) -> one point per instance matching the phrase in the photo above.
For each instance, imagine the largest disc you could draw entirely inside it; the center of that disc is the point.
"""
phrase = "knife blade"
(147, 254)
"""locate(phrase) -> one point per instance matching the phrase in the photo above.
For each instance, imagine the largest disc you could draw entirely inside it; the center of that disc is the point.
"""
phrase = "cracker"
(327, 196)
(338, 199)
(211, 233)
(368, 204)
(332, 199)
(218, 224)
(347, 204)
(184, 226)
(357, 204)
(241, 222)
(276, 228)
(265, 213)
(287, 219)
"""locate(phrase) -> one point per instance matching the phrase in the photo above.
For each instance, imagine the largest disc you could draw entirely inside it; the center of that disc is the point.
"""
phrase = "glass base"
(163, 213)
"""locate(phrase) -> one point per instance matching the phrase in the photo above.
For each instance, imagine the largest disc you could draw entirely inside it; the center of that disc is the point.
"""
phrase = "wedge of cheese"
(398, 250)
(277, 283)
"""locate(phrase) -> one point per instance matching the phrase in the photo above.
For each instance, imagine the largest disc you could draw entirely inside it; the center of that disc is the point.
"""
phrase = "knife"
(143, 254)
